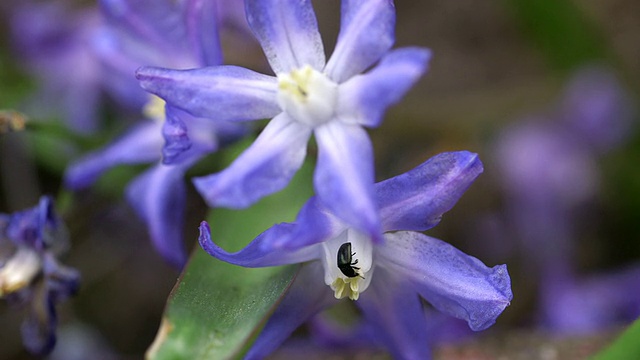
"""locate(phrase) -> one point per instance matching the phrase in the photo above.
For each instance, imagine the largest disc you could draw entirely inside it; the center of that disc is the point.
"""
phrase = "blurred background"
(544, 91)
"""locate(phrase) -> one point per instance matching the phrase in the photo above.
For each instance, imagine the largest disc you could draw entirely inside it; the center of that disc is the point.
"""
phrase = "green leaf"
(627, 346)
(216, 309)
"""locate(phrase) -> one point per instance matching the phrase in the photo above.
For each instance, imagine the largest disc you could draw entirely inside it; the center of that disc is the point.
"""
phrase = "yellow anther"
(154, 109)
(344, 287)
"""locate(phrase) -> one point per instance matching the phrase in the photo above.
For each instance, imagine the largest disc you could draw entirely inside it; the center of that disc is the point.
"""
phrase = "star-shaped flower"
(30, 274)
(330, 99)
(172, 138)
(387, 279)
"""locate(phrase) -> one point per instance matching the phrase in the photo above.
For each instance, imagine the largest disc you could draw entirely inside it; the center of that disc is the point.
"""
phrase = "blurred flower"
(387, 279)
(549, 171)
(181, 34)
(54, 40)
(331, 334)
(30, 274)
(331, 100)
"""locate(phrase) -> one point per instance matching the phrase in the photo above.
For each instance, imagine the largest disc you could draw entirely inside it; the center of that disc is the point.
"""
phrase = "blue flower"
(387, 279)
(53, 40)
(331, 100)
(30, 273)
(548, 169)
(181, 34)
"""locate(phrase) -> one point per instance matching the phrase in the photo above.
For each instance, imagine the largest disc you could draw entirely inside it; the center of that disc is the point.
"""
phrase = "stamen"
(154, 109)
(339, 260)
(344, 287)
(307, 95)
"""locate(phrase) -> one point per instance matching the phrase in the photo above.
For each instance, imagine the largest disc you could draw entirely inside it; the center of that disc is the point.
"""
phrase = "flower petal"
(142, 144)
(590, 304)
(265, 167)
(159, 23)
(158, 196)
(452, 281)
(366, 33)
(118, 66)
(202, 29)
(39, 326)
(364, 98)
(224, 93)
(176, 138)
(314, 224)
(187, 136)
(344, 176)
(307, 296)
(417, 199)
(394, 308)
(331, 333)
(288, 33)
(256, 255)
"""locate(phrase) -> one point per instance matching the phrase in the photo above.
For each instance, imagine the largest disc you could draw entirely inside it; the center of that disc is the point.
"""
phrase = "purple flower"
(330, 99)
(30, 274)
(181, 34)
(589, 304)
(54, 40)
(388, 279)
(548, 168)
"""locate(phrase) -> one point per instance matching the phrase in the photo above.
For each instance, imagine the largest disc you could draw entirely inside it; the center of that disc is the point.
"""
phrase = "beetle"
(345, 264)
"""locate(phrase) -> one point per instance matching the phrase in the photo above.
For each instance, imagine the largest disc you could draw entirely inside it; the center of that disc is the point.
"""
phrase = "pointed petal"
(344, 176)
(187, 136)
(224, 93)
(365, 98)
(158, 196)
(394, 308)
(314, 224)
(288, 33)
(308, 296)
(142, 144)
(417, 199)
(256, 255)
(265, 167)
(452, 281)
(366, 33)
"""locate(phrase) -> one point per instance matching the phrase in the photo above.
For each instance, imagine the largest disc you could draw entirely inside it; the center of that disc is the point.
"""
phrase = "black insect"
(344, 261)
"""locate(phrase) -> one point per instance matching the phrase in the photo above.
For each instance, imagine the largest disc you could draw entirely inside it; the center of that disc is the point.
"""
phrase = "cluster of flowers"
(549, 173)
(365, 236)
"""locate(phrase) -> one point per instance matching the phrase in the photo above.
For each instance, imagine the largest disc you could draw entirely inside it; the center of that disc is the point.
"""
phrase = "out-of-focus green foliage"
(627, 346)
(560, 29)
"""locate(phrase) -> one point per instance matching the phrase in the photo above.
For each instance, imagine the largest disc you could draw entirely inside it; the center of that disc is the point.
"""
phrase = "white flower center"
(19, 271)
(307, 95)
(348, 264)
